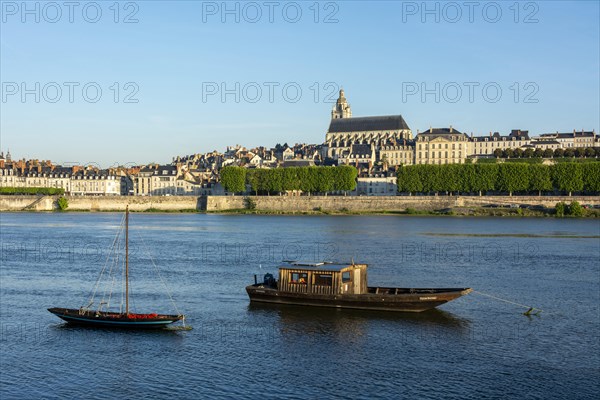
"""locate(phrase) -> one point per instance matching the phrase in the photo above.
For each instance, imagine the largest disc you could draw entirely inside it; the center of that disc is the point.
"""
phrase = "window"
(299, 277)
(323, 279)
(346, 276)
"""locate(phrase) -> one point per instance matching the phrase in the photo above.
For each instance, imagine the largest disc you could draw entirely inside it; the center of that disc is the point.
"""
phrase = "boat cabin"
(323, 278)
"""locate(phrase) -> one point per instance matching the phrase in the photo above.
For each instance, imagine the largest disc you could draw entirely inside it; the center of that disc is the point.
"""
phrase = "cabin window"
(346, 276)
(323, 279)
(299, 277)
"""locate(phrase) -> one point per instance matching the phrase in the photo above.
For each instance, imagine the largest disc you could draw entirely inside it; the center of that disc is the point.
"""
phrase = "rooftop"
(318, 266)
(365, 124)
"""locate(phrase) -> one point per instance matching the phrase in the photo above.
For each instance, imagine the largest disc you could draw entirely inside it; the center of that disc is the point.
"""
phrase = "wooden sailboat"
(97, 317)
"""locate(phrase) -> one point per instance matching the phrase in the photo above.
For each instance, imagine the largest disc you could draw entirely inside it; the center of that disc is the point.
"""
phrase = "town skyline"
(342, 110)
(134, 87)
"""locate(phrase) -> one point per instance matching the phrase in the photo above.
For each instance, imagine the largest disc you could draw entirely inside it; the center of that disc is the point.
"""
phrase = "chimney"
(430, 129)
(451, 129)
(490, 133)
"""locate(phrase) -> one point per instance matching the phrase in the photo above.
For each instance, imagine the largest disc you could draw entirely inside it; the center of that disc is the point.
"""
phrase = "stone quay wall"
(384, 203)
(288, 204)
(103, 203)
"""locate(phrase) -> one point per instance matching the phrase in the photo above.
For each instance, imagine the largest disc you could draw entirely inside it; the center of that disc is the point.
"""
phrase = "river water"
(474, 347)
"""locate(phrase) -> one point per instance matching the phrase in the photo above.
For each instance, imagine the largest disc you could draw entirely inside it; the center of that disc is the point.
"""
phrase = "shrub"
(31, 190)
(249, 203)
(62, 203)
(575, 209)
(560, 209)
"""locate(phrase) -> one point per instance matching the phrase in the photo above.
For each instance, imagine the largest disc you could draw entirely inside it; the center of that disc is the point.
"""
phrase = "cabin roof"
(316, 266)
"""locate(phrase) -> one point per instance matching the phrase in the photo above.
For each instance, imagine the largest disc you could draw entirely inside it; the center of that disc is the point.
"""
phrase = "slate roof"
(365, 124)
(361, 149)
(440, 132)
(546, 142)
(568, 135)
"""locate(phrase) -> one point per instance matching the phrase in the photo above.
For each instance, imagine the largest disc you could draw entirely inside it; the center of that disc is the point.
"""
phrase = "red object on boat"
(142, 316)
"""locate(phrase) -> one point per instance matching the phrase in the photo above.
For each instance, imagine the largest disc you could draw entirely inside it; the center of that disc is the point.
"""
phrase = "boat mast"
(127, 259)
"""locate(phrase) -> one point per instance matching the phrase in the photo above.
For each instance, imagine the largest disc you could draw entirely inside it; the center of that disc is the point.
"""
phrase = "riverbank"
(521, 206)
(460, 212)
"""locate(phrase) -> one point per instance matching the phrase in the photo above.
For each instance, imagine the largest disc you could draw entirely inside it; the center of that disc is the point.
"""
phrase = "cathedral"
(359, 140)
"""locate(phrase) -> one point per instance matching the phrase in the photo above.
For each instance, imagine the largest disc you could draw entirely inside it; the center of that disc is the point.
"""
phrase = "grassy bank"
(455, 212)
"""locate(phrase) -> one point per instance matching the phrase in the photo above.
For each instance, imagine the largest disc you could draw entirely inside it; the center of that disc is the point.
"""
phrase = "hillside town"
(375, 145)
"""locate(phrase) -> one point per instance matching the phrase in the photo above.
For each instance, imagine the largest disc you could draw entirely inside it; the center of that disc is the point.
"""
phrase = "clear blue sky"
(380, 52)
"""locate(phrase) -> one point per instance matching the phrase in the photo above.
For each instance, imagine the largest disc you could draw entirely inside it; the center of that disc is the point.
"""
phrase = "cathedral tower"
(341, 108)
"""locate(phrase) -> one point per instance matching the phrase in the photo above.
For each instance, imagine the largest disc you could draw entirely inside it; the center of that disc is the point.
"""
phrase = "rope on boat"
(530, 310)
(161, 278)
(95, 288)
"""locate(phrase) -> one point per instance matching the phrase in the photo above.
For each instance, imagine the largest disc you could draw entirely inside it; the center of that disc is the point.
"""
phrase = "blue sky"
(542, 56)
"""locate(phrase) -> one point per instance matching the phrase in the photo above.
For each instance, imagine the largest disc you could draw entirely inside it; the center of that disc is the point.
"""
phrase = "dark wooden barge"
(344, 286)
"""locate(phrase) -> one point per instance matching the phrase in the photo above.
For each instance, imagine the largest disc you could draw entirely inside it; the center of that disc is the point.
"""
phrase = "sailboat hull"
(114, 320)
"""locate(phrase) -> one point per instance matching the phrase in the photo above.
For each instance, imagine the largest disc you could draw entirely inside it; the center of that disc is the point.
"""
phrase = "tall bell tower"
(341, 108)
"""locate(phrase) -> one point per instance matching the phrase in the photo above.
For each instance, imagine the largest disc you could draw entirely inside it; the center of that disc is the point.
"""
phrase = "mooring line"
(529, 308)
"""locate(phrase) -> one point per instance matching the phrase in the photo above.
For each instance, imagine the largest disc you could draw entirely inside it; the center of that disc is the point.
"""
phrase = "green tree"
(528, 153)
(290, 179)
(539, 178)
(498, 153)
(486, 177)
(509, 153)
(254, 179)
(305, 178)
(580, 152)
(590, 172)
(275, 182)
(513, 177)
(567, 176)
(518, 153)
(344, 178)
(233, 179)
(569, 153)
(559, 153)
(409, 179)
(590, 152)
(548, 153)
(467, 178)
(538, 153)
(325, 179)
(450, 177)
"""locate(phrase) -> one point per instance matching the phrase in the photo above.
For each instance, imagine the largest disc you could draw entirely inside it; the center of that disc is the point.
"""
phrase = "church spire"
(341, 108)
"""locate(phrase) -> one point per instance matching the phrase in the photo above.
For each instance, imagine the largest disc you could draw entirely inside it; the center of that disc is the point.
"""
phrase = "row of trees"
(507, 178)
(579, 152)
(277, 180)
(32, 190)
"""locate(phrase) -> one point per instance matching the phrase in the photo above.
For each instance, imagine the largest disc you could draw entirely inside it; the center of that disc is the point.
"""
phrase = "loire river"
(475, 347)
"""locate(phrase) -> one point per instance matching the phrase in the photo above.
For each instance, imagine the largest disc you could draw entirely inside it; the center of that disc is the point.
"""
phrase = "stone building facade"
(486, 145)
(442, 146)
(345, 131)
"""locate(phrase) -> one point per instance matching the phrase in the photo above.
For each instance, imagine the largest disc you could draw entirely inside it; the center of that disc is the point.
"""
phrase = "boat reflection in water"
(350, 323)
